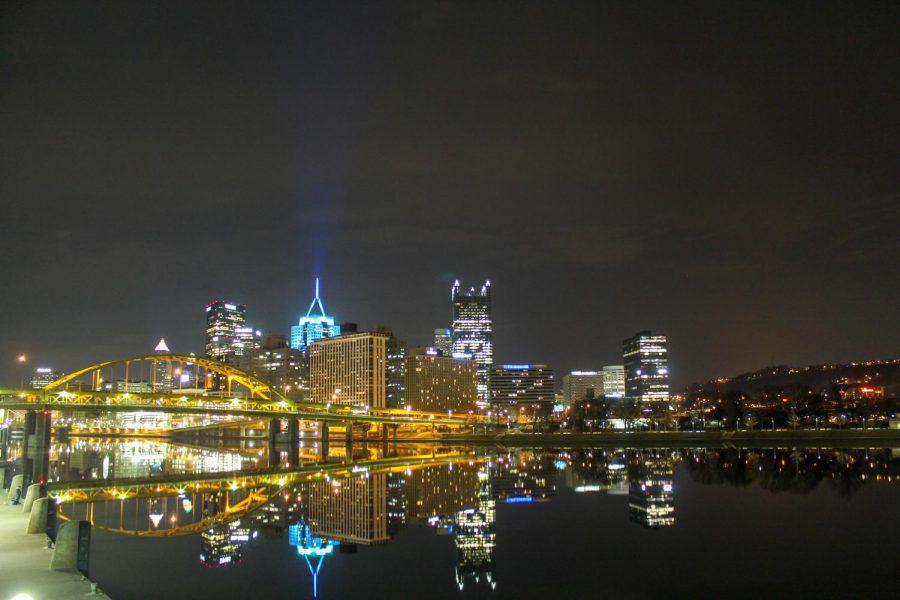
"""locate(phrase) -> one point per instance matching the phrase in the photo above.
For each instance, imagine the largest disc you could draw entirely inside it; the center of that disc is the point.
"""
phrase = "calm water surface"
(424, 522)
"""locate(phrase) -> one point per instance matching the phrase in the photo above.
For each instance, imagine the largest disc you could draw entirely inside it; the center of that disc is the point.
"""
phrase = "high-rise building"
(646, 367)
(396, 369)
(161, 378)
(582, 385)
(440, 383)
(473, 332)
(349, 369)
(44, 376)
(246, 340)
(614, 381)
(443, 340)
(279, 365)
(222, 318)
(522, 385)
(315, 325)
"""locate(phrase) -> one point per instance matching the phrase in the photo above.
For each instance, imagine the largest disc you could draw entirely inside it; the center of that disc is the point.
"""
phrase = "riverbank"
(846, 438)
(25, 563)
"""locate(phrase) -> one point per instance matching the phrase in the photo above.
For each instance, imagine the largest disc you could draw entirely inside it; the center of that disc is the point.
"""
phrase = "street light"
(22, 359)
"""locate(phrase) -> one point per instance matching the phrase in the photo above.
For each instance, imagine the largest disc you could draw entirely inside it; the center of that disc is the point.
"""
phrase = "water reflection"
(320, 508)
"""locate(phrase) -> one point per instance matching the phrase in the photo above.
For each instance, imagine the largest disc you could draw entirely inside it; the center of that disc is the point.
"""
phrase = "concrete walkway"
(25, 563)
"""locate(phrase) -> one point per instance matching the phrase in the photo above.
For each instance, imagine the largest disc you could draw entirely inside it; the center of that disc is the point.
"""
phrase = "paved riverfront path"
(25, 563)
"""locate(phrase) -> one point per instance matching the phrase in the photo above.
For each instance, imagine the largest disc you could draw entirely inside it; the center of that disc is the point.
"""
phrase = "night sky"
(725, 173)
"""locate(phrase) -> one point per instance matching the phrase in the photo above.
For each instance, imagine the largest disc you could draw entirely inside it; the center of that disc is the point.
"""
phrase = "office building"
(161, 375)
(646, 367)
(443, 340)
(522, 385)
(440, 383)
(614, 381)
(246, 340)
(44, 376)
(473, 332)
(279, 365)
(222, 318)
(582, 385)
(315, 325)
(396, 369)
(350, 370)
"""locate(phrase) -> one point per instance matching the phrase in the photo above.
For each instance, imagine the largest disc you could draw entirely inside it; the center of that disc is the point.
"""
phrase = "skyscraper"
(396, 369)
(161, 377)
(473, 332)
(314, 326)
(646, 367)
(443, 340)
(222, 318)
(349, 370)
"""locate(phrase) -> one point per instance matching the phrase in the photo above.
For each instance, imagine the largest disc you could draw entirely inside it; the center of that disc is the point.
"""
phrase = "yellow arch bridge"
(179, 384)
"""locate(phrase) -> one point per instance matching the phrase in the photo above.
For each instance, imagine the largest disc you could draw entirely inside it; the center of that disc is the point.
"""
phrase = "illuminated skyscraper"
(44, 376)
(162, 371)
(646, 367)
(443, 340)
(222, 318)
(314, 326)
(350, 370)
(473, 332)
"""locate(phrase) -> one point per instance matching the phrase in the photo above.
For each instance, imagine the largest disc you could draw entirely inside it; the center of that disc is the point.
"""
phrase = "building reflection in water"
(313, 548)
(326, 514)
(651, 489)
(475, 535)
(223, 546)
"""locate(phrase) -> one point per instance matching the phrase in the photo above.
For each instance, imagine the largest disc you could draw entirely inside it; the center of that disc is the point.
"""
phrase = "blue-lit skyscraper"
(473, 333)
(314, 326)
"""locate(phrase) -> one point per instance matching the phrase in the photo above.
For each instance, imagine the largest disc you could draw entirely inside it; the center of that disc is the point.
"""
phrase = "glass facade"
(222, 319)
(614, 381)
(646, 367)
(315, 325)
(473, 332)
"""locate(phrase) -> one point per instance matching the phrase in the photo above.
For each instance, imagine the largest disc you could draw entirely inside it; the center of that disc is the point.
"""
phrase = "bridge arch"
(255, 387)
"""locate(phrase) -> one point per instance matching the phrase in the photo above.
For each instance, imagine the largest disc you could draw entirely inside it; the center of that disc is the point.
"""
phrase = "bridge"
(217, 389)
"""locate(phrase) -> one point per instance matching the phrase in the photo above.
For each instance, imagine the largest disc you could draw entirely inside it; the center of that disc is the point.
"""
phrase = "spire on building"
(161, 347)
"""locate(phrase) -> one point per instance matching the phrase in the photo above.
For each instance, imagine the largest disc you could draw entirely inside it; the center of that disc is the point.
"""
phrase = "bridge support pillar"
(4, 445)
(274, 430)
(2, 481)
(294, 431)
(36, 463)
(323, 439)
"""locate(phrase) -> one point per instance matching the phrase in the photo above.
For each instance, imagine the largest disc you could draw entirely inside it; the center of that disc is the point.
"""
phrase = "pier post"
(15, 486)
(37, 520)
(65, 553)
(32, 494)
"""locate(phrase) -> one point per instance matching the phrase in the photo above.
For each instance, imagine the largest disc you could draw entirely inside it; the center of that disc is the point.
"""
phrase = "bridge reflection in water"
(321, 508)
